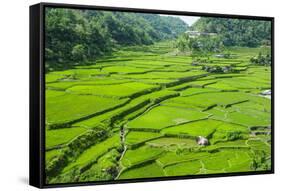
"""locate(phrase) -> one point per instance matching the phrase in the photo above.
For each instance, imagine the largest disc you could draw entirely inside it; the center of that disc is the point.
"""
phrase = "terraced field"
(139, 113)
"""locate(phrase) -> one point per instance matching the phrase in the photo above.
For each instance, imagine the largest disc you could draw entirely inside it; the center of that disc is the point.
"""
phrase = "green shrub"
(78, 52)
(264, 60)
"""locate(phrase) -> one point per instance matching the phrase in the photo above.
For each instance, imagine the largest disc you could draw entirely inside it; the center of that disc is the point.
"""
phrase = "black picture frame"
(37, 94)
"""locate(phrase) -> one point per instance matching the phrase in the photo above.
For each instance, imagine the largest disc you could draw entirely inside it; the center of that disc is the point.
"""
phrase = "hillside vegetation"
(75, 35)
(237, 32)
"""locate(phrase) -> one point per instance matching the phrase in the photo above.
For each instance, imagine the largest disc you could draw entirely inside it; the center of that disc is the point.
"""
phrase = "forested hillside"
(73, 35)
(236, 32)
(168, 27)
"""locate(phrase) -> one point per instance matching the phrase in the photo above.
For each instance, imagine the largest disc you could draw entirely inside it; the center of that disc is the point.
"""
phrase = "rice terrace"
(156, 97)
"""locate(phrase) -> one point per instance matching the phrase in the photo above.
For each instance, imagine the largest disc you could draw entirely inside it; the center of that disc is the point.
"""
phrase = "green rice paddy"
(148, 108)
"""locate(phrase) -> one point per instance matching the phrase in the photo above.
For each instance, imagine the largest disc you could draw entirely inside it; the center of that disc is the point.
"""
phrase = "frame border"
(39, 166)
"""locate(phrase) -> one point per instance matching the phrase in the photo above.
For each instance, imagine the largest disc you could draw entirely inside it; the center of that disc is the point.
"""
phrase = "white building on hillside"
(194, 34)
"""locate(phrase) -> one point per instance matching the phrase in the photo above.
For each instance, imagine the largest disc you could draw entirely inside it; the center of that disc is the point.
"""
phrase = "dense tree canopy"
(237, 32)
(199, 45)
(167, 26)
(77, 35)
